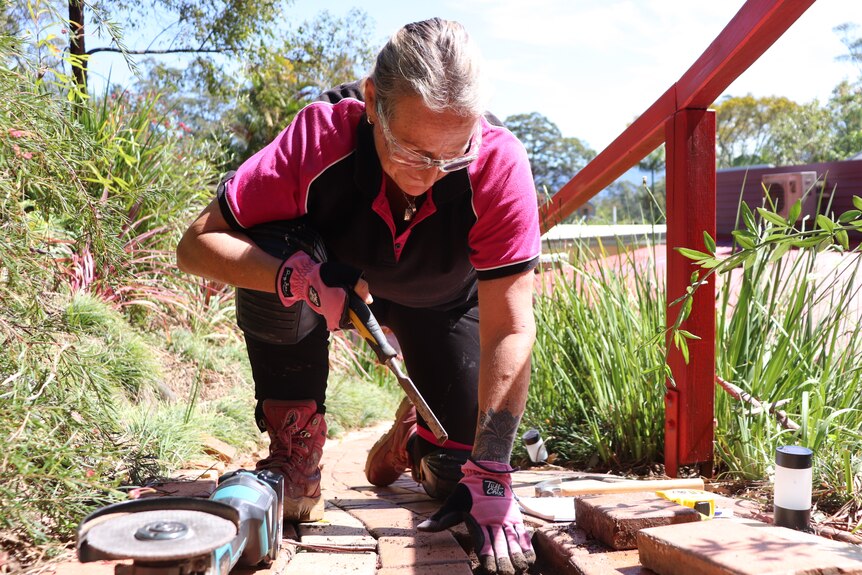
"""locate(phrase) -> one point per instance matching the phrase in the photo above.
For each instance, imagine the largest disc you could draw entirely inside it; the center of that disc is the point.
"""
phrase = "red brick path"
(372, 531)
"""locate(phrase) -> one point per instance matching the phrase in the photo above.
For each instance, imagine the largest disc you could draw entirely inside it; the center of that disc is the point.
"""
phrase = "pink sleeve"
(274, 183)
(506, 233)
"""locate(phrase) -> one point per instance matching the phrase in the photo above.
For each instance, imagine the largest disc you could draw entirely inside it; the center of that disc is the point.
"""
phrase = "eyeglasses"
(403, 155)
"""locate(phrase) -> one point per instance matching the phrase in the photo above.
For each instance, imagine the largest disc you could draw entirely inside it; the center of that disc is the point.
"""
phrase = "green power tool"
(239, 525)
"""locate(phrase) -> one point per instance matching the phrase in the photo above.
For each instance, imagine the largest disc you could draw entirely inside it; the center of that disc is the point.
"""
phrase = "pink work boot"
(296, 436)
(388, 459)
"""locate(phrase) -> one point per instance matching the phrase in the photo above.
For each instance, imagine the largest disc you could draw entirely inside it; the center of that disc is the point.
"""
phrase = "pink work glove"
(321, 286)
(483, 499)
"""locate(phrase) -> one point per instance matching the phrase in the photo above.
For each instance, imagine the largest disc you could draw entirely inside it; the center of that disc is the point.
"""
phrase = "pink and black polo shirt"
(477, 223)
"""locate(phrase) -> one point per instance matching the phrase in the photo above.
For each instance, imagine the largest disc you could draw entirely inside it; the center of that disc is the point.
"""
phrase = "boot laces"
(288, 448)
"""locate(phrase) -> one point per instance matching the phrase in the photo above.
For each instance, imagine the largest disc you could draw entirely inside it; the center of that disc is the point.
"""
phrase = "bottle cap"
(793, 457)
(531, 436)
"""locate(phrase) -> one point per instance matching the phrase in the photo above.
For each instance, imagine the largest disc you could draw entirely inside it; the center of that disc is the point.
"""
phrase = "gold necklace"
(410, 210)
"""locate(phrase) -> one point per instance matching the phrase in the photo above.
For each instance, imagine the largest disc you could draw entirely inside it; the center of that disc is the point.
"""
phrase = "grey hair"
(435, 60)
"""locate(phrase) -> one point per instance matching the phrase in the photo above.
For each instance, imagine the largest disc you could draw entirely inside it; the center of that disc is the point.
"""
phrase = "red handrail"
(680, 119)
(757, 25)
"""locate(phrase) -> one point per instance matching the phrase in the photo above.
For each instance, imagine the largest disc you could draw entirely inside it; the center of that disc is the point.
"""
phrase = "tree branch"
(142, 52)
(737, 393)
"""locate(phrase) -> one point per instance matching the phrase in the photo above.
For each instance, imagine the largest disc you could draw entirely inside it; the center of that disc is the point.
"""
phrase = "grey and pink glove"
(320, 285)
(483, 499)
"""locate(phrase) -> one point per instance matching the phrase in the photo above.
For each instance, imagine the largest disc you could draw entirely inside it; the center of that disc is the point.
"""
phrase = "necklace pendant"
(409, 212)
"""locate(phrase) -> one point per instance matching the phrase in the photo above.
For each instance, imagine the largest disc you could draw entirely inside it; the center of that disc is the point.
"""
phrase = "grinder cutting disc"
(161, 535)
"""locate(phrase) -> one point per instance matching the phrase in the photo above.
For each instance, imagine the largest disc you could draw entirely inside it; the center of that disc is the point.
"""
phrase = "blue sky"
(591, 66)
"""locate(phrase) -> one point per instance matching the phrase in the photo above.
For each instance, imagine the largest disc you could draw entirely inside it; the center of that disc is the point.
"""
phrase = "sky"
(592, 66)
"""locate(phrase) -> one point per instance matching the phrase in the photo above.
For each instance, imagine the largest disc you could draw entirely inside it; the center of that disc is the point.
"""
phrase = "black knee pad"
(440, 471)
(261, 315)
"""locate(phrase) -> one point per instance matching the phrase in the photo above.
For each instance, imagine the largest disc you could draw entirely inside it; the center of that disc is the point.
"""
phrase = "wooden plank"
(594, 487)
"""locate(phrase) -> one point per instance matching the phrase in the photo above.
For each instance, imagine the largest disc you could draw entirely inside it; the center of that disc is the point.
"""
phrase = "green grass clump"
(791, 337)
(596, 391)
(171, 438)
(115, 347)
(787, 334)
(231, 418)
(789, 341)
(63, 446)
(68, 366)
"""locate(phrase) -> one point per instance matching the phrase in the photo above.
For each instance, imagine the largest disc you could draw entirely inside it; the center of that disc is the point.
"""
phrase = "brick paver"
(735, 547)
(421, 549)
(340, 529)
(615, 518)
(310, 563)
(370, 530)
(388, 521)
(445, 569)
(554, 548)
(567, 550)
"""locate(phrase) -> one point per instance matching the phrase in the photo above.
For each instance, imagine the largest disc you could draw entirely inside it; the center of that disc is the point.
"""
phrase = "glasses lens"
(457, 164)
(411, 162)
(412, 159)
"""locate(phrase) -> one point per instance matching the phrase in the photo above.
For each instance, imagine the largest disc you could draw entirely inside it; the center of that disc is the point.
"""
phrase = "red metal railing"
(680, 119)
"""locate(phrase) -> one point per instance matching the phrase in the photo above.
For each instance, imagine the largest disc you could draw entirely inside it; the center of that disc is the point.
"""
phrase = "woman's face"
(415, 134)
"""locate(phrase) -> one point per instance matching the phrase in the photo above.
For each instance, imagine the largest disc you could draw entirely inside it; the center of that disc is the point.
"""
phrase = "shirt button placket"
(399, 244)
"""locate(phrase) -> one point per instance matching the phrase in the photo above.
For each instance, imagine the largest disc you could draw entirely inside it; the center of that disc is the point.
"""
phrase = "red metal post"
(679, 115)
(690, 165)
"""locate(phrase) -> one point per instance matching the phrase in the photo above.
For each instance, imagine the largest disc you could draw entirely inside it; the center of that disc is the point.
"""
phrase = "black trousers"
(441, 354)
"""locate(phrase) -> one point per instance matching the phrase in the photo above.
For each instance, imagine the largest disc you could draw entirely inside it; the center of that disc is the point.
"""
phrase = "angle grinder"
(239, 525)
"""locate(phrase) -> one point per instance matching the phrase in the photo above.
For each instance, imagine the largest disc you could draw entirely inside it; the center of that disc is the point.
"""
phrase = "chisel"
(366, 324)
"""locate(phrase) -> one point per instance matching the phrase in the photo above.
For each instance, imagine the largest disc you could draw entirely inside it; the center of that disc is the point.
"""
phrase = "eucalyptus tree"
(61, 31)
